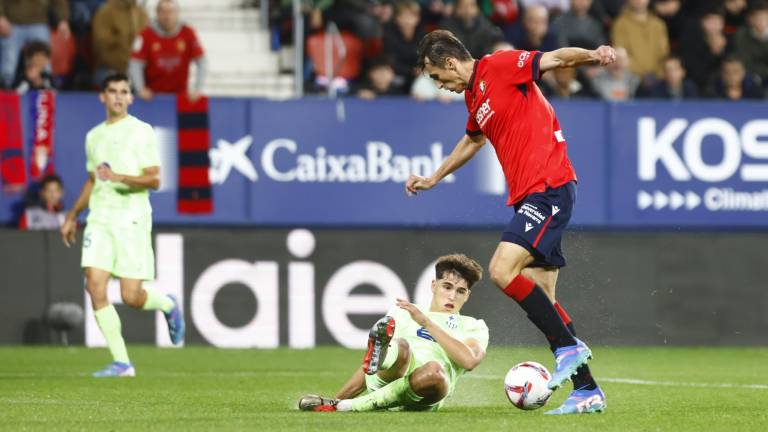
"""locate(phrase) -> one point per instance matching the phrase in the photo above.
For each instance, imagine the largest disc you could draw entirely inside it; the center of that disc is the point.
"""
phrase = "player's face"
(449, 293)
(446, 78)
(117, 97)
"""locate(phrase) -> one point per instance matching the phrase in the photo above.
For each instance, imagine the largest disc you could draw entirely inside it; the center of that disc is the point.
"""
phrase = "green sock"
(157, 301)
(109, 323)
(396, 393)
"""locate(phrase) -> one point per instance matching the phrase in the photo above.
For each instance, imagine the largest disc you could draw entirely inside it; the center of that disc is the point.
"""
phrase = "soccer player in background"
(430, 350)
(123, 163)
(506, 107)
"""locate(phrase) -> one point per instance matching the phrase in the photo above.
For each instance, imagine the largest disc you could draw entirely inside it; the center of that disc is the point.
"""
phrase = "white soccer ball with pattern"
(526, 385)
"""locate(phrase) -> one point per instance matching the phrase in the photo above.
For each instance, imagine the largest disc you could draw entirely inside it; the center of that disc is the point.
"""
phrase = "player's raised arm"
(466, 354)
(572, 57)
(465, 149)
(69, 227)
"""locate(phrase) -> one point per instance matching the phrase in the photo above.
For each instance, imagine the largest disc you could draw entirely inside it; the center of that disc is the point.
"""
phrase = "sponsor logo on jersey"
(523, 57)
(484, 113)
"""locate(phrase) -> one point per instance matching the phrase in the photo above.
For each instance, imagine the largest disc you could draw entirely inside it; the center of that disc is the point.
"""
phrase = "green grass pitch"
(195, 388)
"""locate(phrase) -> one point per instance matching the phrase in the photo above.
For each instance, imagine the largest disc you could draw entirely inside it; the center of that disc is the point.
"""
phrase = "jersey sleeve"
(90, 164)
(195, 49)
(149, 154)
(140, 48)
(516, 66)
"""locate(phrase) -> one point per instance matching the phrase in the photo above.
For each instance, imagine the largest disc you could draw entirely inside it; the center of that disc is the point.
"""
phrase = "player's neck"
(111, 119)
(468, 67)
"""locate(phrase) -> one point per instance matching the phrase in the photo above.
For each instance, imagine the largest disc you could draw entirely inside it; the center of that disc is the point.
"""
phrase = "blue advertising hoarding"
(317, 162)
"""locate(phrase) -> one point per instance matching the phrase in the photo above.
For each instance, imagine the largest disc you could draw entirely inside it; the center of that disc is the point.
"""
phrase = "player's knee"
(433, 377)
(133, 298)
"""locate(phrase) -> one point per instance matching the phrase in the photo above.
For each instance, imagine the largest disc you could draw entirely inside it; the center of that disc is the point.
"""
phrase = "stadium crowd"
(669, 49)
(672, 49)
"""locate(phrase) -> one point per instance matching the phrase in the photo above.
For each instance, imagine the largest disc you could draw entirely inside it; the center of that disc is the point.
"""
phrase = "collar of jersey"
(471, 82)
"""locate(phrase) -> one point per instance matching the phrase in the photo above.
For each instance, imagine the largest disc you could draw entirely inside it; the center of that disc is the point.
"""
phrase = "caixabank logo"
(286, 160)
(703, 165)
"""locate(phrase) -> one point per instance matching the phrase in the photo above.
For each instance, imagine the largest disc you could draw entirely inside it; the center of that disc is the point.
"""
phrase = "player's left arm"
(572, 57)
(354, 385)
(466, 354)
(149, 178)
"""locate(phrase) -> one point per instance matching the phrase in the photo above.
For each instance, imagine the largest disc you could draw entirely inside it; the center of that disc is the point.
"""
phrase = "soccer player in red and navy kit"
(506, 107)
(162, 54)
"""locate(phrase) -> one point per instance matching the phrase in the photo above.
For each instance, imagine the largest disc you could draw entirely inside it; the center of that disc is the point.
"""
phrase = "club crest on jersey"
(482, 86)
(451, 322)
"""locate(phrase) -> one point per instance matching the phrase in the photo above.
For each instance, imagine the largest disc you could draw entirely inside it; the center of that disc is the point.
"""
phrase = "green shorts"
(123, 248)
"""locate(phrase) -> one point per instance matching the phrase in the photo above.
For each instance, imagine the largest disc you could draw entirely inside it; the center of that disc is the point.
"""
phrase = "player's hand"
(146, 94)
(604, 55)
(416, 183)
(416, 314)
(68, 231)
(104, 173)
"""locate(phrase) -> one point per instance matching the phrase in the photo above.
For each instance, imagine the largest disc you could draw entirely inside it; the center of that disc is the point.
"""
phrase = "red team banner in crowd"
(43, 106)
(12, 172)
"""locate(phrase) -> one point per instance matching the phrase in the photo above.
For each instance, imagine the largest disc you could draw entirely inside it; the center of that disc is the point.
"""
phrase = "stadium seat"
(350, 65)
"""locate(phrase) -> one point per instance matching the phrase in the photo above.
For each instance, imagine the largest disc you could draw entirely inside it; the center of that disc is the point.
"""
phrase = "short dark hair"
(461, 264)
(438, 45)
(757, 5)
(36, 47)
(114, 77)
(50, 178)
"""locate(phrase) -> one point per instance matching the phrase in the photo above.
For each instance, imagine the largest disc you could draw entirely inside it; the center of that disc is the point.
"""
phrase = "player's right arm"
(69, 227)
(354, 386)
(465, 149)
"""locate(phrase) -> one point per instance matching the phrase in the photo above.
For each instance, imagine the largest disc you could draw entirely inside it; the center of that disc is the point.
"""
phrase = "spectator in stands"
(380, 81)
(36, 61)
(401, 40)
(734, 83)
(674, 84)
(735, 15)
(82, 13)
(472, 28)
(671, 12)
(354, 16)
(115, 26)
(565, 83)
(46, 212)
(23, 21)
(644, 36)
(616, 82)
(554, 7)
(751, 41)
(577, 28)
(433, 12)
(162, 54)
(535, 33)
(606, 11)
(703, 46)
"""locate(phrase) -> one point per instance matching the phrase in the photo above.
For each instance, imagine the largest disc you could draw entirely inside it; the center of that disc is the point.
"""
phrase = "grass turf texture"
(211, 389)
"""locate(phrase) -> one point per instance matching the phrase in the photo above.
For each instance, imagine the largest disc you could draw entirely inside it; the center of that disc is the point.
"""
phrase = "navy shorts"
(539, 222)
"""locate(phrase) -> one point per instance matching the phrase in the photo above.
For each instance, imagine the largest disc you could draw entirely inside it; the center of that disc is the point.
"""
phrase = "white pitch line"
(650, 383)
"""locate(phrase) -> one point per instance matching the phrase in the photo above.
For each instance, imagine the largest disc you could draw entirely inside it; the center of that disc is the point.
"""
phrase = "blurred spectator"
(23, 21)
(34, 75)
(616, 82)
(355, 16)
(535, 33)
(82, 13)
(162, 54)
(674, 84)
(703, 46)
(503, 12)
(577, 28)
(566, 84)
(554, 7)
(115, 26)
(472, 28)
(47, 211)
(644, 36)
(401, 40)
(424, 88)
(734, 83)
(671, 12)
(380, 80)
(433, 12)
(751, 41)
(606, 11)
(735, 15)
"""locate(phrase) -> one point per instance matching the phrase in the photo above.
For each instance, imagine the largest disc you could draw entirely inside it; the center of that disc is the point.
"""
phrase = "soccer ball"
(526, 385)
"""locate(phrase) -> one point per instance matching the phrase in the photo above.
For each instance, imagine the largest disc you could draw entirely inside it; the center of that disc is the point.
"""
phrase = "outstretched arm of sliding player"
(465, 149)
